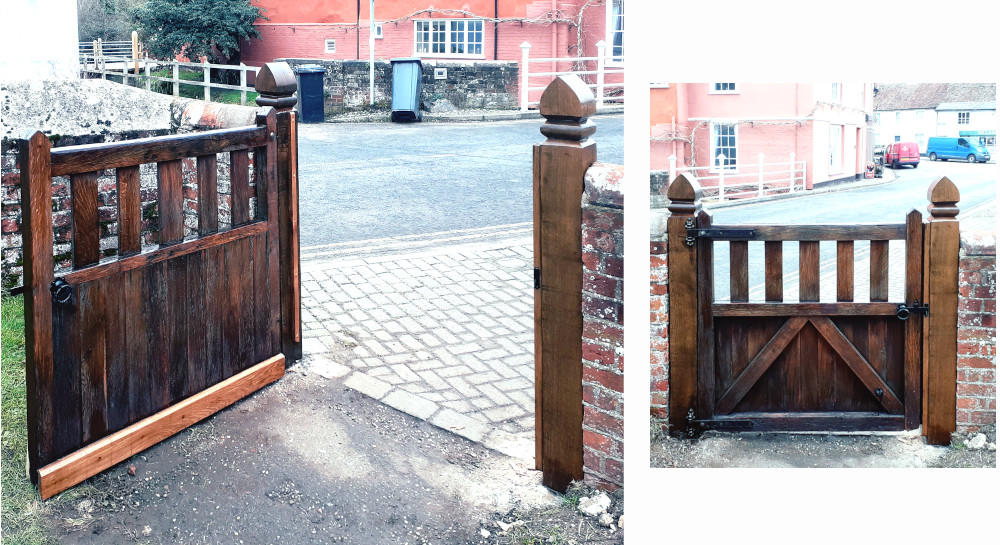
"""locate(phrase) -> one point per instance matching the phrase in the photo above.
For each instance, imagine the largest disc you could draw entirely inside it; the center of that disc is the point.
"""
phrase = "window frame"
(713, 91)
(447, 44)
(327, 42)
(714, 147)
(968, 117)
(838, 166)
(836, 92)
(609, 33)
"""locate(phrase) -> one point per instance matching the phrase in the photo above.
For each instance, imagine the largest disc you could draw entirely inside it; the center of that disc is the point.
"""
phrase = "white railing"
(121, 66)
(740, 181)
(98, 47)
(605, 66)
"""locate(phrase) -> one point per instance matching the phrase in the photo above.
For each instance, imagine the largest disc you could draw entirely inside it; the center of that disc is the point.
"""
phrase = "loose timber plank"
(94, 157)
(86, 233)
(91, 460)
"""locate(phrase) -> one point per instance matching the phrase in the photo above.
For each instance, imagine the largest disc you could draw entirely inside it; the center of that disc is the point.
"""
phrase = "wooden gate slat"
(760, 363)
(739, 271)
(231, 320)
(137, 342)
(208, 194)
(93, 361)
(67, 430)
(119, 326)
(913, 327)
(808, 270)
(845, 270)
(216, 298)
(171, 201)
(195, 309)
(261, 300)
(880, 270)
(129, 211)
(857, 363)
(247, 350)
(175, 322)
(239, 186)
(773, 271)
(86, 234)
(159, 340)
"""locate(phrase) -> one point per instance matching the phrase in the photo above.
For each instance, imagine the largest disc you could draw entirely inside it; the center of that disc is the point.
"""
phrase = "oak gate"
(860, 362)
(124, 353)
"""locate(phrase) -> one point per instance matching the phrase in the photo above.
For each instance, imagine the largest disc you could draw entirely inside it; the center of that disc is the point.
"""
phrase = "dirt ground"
(777, 450)
(307, 460)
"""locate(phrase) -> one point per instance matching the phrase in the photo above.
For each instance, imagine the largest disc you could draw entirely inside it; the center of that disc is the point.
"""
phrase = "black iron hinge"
(903, 312)
(538, 278)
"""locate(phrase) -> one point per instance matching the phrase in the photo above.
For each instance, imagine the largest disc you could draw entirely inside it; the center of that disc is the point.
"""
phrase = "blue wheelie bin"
(407, 75)
(311, 92)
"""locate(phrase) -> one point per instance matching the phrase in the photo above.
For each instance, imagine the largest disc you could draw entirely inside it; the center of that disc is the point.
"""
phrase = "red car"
(902, 153)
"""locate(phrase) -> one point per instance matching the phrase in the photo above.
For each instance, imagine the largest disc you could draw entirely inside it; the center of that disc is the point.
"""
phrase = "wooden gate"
(124, 353)
(855, 362)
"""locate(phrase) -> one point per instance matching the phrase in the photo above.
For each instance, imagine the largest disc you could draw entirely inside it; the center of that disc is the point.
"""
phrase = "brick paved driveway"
(439, 326)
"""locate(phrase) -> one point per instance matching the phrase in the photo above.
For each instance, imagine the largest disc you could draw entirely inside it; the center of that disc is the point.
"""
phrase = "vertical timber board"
(288, 230)
(536, 212)
(197, 318)
(129, 210)
(86, 235)
(171, 201)
(208, 194)
(705, 281)
(265, 168)
(685, 196)
(93, 360)
(941, 248)
(808, 270)
(845, 270)
(118, 327)
(913, 327)
(66, 372)
(562, 169)
(773, 271)
(239, 186)
(36, 206)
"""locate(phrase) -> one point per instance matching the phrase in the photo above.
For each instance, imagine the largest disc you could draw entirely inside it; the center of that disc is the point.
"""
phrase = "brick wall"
(977, 322)
(976, 388)
(472, 84)
(603, 326)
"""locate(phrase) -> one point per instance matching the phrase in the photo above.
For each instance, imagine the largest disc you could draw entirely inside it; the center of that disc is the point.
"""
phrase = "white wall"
(910, 125)
(979, 120)
(38, 40)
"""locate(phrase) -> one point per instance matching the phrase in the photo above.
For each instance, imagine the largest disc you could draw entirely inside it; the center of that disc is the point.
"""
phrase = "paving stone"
(370, 386)
(503, 413)
(460, 424)
(410, 403)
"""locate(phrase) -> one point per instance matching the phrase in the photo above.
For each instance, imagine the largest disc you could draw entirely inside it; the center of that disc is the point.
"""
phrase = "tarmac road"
(376, 180)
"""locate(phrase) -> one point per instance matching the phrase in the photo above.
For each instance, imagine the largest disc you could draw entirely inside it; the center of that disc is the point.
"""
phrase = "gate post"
(560, 164)
(941, 248)
(36, 205)
(276, 86)
(682, 326)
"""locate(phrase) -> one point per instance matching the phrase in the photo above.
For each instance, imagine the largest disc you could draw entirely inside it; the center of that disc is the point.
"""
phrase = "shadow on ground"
(779, 450)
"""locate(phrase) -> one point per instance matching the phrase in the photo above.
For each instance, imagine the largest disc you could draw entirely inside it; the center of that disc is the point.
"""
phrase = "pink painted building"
(467, 30)
(825, 126)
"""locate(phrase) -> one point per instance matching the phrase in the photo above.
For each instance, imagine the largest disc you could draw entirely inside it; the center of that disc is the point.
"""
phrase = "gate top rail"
(93, 157)
(824, 231)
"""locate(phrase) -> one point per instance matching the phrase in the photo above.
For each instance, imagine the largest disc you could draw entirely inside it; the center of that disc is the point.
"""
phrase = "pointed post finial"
(566, 105)
(685, 196)
(944, 196)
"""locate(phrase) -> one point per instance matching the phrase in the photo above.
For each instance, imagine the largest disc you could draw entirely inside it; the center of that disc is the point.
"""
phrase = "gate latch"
(538, 278)
(721, 233)
(62, 291)
(903, 312)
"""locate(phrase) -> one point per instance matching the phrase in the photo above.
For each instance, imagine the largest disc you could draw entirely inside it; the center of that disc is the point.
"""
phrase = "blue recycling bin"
(311, 92)
(407, 75)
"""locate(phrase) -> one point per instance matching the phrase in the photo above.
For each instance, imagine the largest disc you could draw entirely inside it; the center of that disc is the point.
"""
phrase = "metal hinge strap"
(538, 278)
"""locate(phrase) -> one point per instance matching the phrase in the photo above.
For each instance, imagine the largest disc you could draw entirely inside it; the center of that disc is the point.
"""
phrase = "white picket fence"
(745, 180)
(607, 65)
(128, 67)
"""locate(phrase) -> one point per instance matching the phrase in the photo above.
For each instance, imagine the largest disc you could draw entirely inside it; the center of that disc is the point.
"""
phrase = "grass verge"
(21, 509)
